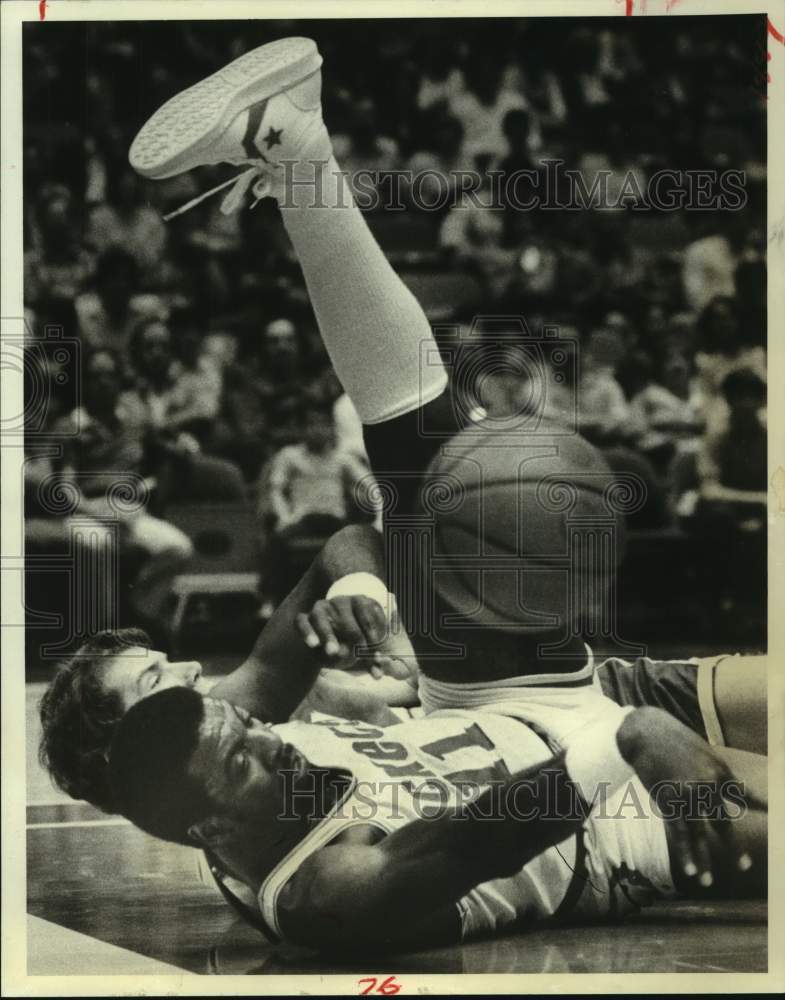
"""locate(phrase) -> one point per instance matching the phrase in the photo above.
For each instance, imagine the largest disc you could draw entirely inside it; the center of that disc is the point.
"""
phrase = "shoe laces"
(255, 177)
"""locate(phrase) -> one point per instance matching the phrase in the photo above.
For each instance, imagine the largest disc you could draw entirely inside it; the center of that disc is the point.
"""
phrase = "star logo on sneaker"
(273, 137)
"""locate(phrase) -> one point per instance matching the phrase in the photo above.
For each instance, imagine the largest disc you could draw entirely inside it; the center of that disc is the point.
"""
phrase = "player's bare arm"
(282, 667)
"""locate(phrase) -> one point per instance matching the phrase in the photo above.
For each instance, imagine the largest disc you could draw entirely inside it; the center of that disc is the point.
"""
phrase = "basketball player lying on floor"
(376, 334)
(438, 829)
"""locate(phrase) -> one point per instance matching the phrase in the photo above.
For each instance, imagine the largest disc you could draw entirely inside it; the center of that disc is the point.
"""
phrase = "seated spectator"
(104, 441)
(436, 162)
(194, 400)
(473, 232)
(481, 109)
(730, 516)
(155, 372)
(282, 380)
(311, 494)
(721, 350)
(586, 79)
(179, 394)
(50, 531)
(107, 315)
(56, 265)
(364, 153)
(602, 406)
(165, 400)
(661, 417)
(442, 80)
(127, 220)
(733, 463)
(240, 432)
(680, 335)
(708, 262)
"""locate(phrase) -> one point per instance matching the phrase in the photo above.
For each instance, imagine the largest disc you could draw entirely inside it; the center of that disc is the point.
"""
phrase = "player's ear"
(212, 832)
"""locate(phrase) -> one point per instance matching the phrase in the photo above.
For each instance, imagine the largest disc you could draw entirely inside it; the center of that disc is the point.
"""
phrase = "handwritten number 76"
(387, 987)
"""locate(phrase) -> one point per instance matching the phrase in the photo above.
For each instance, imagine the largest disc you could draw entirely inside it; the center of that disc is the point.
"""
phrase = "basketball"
(525, 532)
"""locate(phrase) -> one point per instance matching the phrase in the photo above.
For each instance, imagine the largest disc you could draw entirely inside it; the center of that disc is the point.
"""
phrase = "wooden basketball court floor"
(105, 899)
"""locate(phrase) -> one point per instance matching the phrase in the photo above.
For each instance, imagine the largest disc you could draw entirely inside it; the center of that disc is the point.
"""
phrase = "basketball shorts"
(683, 688)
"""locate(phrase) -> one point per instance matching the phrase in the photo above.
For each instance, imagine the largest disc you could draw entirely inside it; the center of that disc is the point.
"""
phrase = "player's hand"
(399, 668)
(693, 790)
(343, 627)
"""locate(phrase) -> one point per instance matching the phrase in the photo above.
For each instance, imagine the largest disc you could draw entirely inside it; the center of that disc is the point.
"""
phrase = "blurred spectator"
(587, 75)
(439, 154)
(127, 220)
(679, 337)
(155, 374)
(195, 397)
(282, 380)
(473, 233)
(176, 394)
(602, 406)
(311, 495)
(721, 350)
(105, 441)
(57, 265)
(481, 109)
(442, 80)
(708, 264)
(240, 432)
(364, 153)
(107, 316)
(730, 517)
(177, 406)
(733, 463)
(660, 416)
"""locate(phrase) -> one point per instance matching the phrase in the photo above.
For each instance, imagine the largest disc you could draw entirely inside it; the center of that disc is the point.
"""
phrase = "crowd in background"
(201, 367)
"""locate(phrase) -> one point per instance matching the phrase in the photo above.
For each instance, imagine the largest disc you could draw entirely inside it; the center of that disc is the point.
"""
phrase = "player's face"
(137, 673)
(240, 761)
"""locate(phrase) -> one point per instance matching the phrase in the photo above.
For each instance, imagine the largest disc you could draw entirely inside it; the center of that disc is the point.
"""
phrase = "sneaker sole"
(170, 141)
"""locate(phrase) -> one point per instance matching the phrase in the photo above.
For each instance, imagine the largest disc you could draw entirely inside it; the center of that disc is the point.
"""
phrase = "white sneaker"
(260, 110)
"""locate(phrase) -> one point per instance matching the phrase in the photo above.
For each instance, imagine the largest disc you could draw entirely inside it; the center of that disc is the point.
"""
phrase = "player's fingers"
(305, 629)
(370, 617)
(345, 624)
(398, 668)
(699, 833)
(322, 624)
(733, 850)
(379, 666)
(681, 847)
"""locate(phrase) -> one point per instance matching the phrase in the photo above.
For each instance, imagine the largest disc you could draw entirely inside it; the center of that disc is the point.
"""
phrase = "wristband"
(367, 585)
(594, 763)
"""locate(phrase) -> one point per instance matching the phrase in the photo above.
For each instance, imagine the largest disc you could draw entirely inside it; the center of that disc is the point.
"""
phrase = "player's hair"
(79, 715)
(148, 765)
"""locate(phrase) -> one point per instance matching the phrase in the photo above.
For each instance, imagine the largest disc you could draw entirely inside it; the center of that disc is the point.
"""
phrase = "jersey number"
(474, 736)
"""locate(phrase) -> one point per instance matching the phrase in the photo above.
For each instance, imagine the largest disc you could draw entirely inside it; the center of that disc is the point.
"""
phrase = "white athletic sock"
(377, 336)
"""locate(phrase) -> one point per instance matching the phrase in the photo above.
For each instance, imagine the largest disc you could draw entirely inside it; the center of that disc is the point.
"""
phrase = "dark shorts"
(682, 688)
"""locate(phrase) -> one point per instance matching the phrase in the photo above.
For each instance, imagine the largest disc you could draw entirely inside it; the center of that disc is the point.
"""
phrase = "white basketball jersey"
(422, 767)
